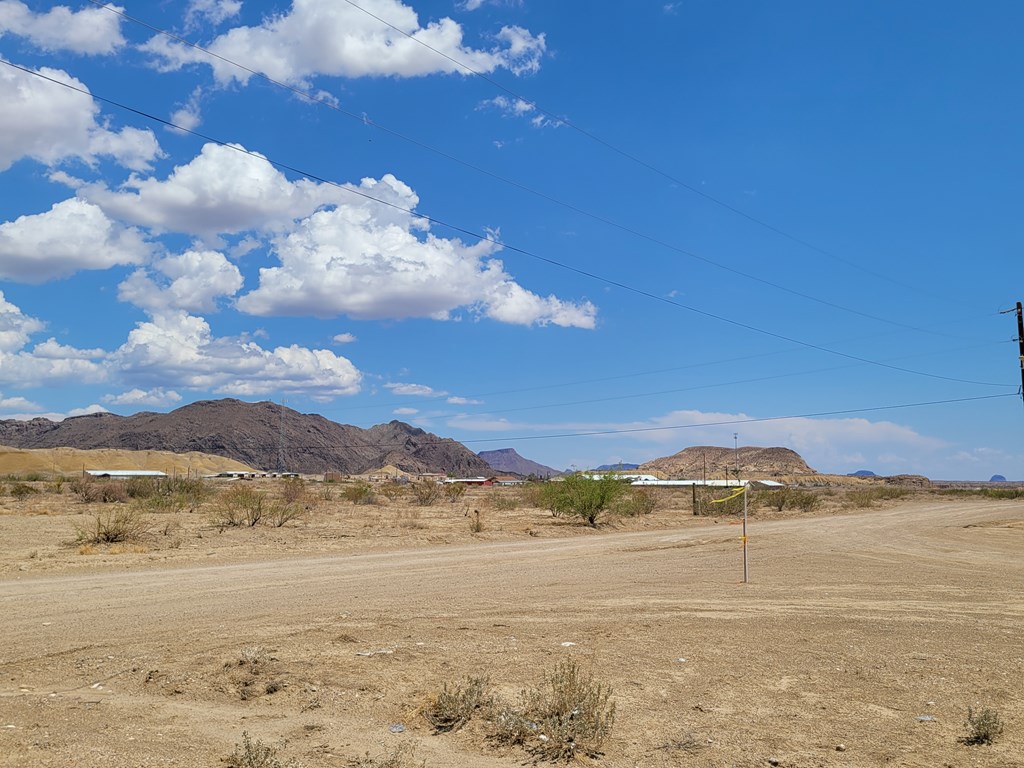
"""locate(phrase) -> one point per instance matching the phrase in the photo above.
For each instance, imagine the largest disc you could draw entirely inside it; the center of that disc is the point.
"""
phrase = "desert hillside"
(716, 462)
(68, 461)
(263, 435)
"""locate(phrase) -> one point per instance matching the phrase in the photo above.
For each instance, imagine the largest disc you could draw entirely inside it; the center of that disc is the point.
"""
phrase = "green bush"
(359, 492)
(983, 727)
(637, 501)
(583, 497)
(426, 492)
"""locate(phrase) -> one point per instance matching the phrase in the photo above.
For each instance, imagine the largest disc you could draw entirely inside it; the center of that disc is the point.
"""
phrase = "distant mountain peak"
(508, 460)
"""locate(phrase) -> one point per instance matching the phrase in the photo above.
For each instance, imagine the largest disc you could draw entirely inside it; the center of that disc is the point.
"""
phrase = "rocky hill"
(255, 434)
(507, 460)
(754, 462)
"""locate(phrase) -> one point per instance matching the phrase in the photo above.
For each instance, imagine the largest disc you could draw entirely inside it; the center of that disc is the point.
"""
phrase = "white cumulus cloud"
(88, 31)
(211, 11)
(178, 349)
(158, 397)
(192, 281)
(417, 390)
(73, 235)
(221, 191)
(50, 123)
(370, 261)
(326, 37)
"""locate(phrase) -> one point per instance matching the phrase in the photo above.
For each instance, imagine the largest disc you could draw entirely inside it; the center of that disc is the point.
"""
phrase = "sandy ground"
(861, 639)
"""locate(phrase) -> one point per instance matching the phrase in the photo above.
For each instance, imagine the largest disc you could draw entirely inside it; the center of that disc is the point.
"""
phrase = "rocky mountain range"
(262, 435)
(507, 460)
(717, 463)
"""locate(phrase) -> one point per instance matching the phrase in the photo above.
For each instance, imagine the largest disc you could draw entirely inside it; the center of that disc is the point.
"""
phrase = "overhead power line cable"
(665, 428)
(582, 382)
(491, 239)
(312, 97)
(631, 157)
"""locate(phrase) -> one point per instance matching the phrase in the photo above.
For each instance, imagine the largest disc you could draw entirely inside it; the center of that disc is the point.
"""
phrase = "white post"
(745, 489)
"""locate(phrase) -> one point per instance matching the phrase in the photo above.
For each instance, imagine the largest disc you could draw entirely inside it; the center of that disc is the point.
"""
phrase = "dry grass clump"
(504, 500)
(452, 707)
(255, 754)
(402, 756)
(567, 717)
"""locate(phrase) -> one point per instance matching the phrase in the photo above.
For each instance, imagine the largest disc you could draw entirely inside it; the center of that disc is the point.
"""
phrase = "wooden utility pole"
(1020, 342)
(1020, 345)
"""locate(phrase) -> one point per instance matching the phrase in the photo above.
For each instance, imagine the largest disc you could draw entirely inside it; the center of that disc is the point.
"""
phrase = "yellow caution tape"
(728, 498)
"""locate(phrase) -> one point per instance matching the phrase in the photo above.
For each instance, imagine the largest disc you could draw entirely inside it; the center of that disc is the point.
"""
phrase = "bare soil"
(861, 639)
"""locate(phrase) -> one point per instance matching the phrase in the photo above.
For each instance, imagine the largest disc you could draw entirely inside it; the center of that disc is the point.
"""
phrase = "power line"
(491, 239)
(511, 182)
(627, 155)
(612, 398)
(641, 430)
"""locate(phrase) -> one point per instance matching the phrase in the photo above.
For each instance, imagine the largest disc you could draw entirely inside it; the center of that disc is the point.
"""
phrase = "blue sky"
(590, 232)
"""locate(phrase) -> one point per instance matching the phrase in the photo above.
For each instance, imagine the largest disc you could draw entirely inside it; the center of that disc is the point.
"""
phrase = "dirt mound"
(718, 463)
(67, 461)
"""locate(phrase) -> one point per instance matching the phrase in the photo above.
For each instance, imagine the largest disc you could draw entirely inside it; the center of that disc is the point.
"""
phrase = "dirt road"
(860, 641)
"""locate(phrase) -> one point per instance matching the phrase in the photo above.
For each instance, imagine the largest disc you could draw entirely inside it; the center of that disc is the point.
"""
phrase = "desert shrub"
(193, 491)
(505, 501)
(452, 707)
(1003, 493)
(104, 492)
(293, 489)
(426, 492)
(359, 492)
(584, 497)
(278, 513)
(569, 716)
(637, 501)
(141, 487)
(533, 494)
(983, 727)
(776, 499)
(392, 491)
(454, 491)
(805, 501)
(22, 491)
(26, 477)
(254, 754)
(118, 525)
(241, 505)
